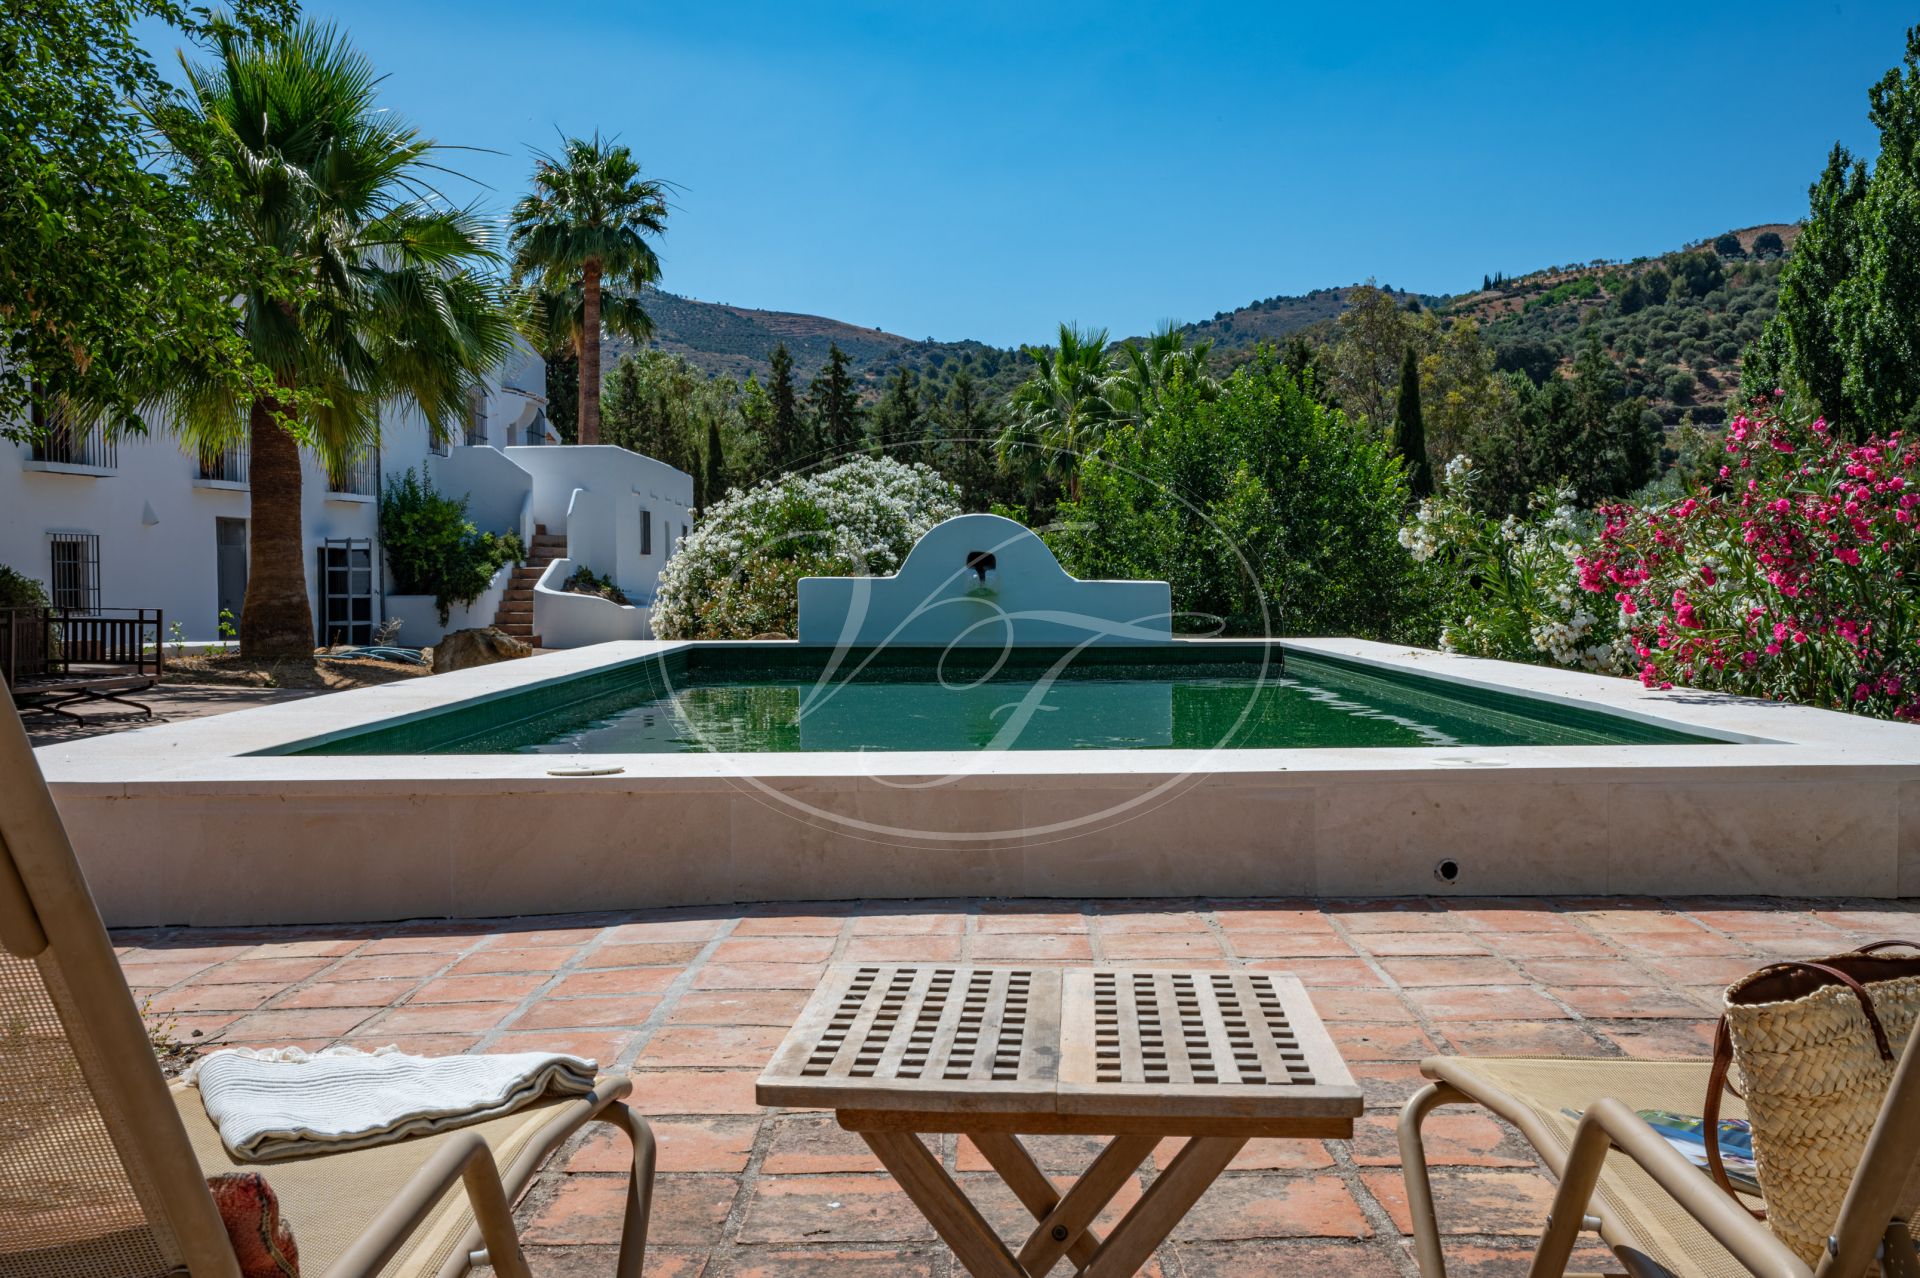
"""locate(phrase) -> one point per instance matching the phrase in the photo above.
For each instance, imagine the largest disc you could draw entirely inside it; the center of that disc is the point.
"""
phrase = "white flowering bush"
(1510, 588)
(737, 573)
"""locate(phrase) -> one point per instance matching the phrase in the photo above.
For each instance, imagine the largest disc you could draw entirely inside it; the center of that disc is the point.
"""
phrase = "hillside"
(1677, 323)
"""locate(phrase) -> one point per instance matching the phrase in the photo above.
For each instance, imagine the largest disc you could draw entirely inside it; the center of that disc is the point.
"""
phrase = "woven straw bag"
(1814, 1044)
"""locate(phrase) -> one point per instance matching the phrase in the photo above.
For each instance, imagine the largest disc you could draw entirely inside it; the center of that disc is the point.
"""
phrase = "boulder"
(481, 646)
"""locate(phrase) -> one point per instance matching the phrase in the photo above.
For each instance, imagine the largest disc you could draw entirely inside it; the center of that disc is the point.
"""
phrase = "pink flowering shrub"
(1790, 577)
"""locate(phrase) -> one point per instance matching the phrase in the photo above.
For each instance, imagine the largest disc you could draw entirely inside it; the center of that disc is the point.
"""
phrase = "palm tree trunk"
(589, 430)
(276, 621)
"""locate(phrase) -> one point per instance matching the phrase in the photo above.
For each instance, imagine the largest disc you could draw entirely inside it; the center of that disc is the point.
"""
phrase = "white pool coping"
(188, 823)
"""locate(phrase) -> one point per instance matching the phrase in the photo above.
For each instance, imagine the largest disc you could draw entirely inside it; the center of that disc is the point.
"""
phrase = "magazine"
(1685, 1133)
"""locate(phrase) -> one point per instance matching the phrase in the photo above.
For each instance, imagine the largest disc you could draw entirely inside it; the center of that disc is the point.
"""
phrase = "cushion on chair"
(262, 1240)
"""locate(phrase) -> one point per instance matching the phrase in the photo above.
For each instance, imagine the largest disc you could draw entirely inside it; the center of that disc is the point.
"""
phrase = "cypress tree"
(716, 464)
(1410, 431)
(836, 406)
(783, 442)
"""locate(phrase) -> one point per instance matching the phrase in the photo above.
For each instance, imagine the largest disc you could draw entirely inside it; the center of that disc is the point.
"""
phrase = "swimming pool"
(754, 699)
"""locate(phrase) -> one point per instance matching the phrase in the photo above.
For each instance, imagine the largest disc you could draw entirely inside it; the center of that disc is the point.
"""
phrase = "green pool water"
(757, 698)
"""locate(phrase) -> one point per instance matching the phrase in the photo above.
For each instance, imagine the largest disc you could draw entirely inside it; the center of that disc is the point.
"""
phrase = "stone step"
(510, 613)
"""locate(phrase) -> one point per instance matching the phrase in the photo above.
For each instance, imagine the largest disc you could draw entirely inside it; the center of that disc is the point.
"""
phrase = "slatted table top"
(1064, 1047)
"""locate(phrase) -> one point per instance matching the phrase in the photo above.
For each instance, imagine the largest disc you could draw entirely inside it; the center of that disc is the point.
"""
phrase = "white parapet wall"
(419, 615)
(199, 823)
(564, 619)
(982, 581)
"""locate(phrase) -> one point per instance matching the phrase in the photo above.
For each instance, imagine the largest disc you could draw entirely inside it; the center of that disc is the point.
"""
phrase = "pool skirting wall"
(185, 824)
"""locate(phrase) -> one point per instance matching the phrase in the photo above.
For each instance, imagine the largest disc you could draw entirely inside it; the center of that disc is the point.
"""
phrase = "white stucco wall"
(563, 619)
(608, 487)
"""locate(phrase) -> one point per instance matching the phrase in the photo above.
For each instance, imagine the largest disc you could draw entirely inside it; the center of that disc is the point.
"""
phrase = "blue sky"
(986, 170)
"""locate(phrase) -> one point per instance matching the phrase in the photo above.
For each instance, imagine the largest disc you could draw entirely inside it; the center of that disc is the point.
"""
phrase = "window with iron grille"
(646, 531)
(228, 466)
(356, 477)
(476, 418)
(60, 439)
(76, 571)
(437, 444)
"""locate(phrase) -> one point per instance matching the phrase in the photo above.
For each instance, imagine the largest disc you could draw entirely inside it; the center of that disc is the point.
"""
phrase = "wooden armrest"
(465, 1157)
(1608, 1124)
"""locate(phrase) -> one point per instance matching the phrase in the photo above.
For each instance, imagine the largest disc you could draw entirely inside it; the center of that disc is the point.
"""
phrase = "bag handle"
(1887, 945)
(1723, 1062)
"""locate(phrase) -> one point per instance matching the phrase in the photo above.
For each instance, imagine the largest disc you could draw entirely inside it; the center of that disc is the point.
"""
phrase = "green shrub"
(434, 549)
(584, 581)
(1261, 507)
(17, 590)
(737, 575)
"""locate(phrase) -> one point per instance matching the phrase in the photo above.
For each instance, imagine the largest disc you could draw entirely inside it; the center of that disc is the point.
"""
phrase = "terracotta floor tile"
(1395, 1041)
(217, 998)
(828, 1262)
(1630, 1002)
(588, 1013)
(1525, 1038)
(160, 975)
(1620, 920)
(791, 925)
(1268, 1258)
(1516, 915)
(1301, 944)
(1258, 918)
(303, 1024)
(615, 980)
(688, 1211)
(1530, 945)
(387, 966)
(1031, 947)
(417, 1044)
(1120, 919)
(711, 1046)
(317, 948)
(243, 970)
(1244, 1205)
(773, 949)
(909, 923)
(444, 1018)
(1468, 1259)
(902, 949)
(1701, 969)
(377, 994)
(545, 959)
(804, 1145)
(664, 930)
(1617, 973)
(758, 976)
(1471, 1202)
(991, 921)
(1670, 944)
(1421, 943)
(831, 1209)
(738, 1007)
(1158, 947)
(602, 1047)
(1661, 1040)
(545, 938)
(1314, 972)
(1341, 1003)
(682, 1091)
(1451, 971)
(1448, 1003)
(1393, 917)
(448, 945)
(495, 987)
(668, 953)
(715, 1143)
(1452, 1138)
(1065, 1156)
(1011, 1219)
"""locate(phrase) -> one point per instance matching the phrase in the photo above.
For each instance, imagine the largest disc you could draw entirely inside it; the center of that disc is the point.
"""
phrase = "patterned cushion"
(262, 1242)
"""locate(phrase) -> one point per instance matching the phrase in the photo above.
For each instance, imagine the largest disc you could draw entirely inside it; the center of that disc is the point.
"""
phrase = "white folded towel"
(284, 1102)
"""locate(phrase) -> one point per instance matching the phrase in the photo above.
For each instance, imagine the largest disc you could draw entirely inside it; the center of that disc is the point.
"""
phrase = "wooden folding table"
(1138, 1055)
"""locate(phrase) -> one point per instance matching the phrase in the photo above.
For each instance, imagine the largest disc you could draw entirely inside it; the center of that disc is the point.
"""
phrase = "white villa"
(135, 522)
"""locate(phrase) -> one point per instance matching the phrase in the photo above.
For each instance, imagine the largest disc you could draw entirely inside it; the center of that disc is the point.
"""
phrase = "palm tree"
(585, 227)
(1061, 413)
(1143, 374)
(374, 302)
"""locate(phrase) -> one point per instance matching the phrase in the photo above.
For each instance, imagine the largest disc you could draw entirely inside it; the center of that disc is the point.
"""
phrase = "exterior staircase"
(515, 614)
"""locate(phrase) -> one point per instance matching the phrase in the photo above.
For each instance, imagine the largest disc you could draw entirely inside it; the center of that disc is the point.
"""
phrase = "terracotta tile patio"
(692, 1002)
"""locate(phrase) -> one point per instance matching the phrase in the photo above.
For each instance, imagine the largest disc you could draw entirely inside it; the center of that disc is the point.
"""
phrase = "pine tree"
(1409, 429)
(836, 406)
(716, 464)
(896, 422)
(784, 442)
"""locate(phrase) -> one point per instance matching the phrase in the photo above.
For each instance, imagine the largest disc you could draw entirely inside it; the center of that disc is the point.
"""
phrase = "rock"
(478, 647)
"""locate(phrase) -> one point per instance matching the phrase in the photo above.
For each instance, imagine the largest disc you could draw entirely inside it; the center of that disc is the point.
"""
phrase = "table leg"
(1172, 1194)
(1064, 1226)
(957, 1221)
